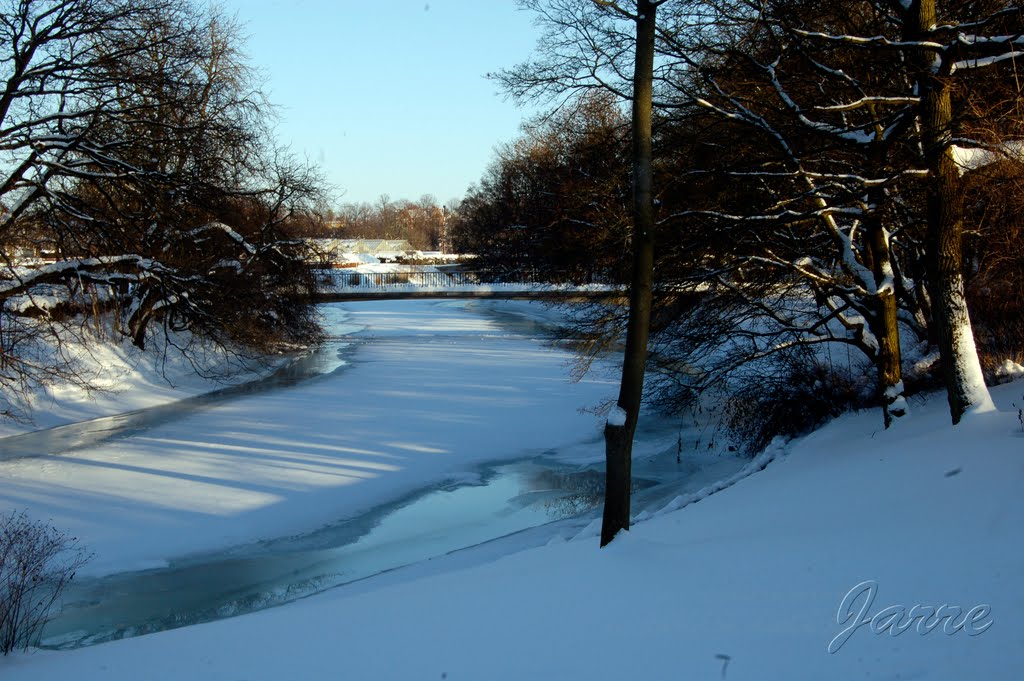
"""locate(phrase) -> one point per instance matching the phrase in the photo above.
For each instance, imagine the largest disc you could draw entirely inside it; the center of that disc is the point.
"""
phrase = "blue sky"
(390, 97)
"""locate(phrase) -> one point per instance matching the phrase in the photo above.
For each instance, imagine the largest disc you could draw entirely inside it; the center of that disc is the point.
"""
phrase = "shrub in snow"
(36, 562)
(791, 396)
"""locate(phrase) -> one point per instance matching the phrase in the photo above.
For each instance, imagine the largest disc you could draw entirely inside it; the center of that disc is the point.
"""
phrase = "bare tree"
(810, 200)
(852, 107)
(621, 426)
(419, 222)
(132, 132)
(982, 40)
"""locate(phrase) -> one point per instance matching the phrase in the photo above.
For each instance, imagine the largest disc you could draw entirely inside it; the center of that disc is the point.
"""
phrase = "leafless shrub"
(790, 396)
(37, 561)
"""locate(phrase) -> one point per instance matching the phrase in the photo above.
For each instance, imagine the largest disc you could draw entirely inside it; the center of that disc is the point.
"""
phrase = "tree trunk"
(884, 323)
(890, 373)
(619, 433)
(961, 368)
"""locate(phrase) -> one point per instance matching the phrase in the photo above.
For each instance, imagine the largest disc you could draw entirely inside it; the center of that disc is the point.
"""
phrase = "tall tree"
(620, 428)
(556, 201)
(587, 46)
(939, 53)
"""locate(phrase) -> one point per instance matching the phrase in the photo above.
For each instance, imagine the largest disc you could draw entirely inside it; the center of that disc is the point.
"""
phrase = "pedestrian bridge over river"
(336, 285)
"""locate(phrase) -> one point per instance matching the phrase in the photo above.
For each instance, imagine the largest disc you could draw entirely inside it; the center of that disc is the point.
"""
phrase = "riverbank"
(126, 379)
(746, 584)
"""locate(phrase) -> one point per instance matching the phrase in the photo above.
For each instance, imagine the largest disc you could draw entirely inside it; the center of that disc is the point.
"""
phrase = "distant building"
(341, 252)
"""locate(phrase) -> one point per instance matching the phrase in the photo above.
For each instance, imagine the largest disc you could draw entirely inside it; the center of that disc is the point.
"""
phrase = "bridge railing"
(349, 280)
(417, 282)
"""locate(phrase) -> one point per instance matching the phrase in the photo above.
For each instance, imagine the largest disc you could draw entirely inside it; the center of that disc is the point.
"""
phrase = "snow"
(1010, 370)
(617, 417)
(970, 158)
(360, 258)
(285, 462)
(969, 367)
(894, 391)
(982, 62)
(430, 279)
(752, 578)
(198, 235)
(40, 301)
(771, 452)
(127, 379)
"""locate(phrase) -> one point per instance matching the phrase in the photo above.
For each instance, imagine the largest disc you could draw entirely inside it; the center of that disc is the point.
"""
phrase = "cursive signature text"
(855, 609)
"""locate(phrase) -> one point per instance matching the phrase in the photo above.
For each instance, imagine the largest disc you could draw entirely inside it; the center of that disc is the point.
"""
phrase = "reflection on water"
(502, 500)
(582, 490)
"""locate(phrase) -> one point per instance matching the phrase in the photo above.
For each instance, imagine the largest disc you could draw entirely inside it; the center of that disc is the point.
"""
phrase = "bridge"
(338, 285)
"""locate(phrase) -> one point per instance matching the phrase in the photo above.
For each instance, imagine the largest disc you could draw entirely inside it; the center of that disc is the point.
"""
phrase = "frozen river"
(419, 428)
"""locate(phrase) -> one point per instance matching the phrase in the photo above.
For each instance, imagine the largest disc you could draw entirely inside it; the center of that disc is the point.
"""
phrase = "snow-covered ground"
(747, 584)
(126, 379)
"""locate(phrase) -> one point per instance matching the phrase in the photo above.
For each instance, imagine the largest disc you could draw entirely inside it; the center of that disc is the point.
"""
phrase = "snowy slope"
(744, 585)
(126, 379)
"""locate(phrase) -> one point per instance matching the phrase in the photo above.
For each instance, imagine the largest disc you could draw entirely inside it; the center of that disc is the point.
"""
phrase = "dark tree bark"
(884, 320)
(619, 432)
(961, 368)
